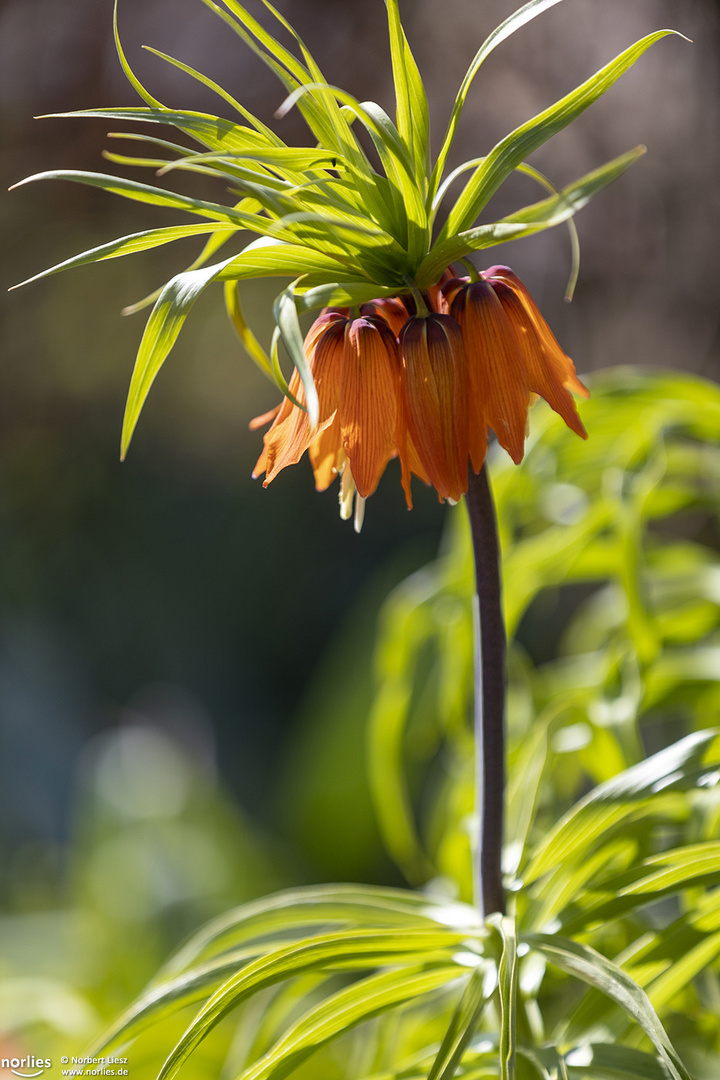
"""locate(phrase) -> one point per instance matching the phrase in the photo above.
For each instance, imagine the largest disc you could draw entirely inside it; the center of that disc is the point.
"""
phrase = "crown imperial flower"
(404, 360)
(426, 389)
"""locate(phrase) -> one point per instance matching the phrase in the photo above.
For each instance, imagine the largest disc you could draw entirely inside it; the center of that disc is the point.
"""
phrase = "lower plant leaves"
(507, 989)
(676, 768)
(339, 1013)
(475, 996)
(601, 1061)
(595, 970)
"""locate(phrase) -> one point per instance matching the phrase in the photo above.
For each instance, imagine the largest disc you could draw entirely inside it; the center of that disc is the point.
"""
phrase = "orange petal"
(453, 286)
(324, 452)
(560, 364)
(496, 369)
(290, 434)
(368, 400)
(544, 376)
(392, 310)
(258, 422)
(410, 463)
(436, 391)
(437, 295)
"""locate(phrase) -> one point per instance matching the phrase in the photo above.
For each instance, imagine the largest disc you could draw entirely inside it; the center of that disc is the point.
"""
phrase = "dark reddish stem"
(490, 683)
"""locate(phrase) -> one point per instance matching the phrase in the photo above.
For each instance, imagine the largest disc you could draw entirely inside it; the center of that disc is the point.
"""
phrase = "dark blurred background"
(172, 594)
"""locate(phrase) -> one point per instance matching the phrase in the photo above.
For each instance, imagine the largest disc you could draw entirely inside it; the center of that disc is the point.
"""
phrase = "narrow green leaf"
(526, 222)
(165, 997)
(129, 73)
(161, 331)
(321, 905)
(463, 1023)
(177, 297)
(663, 963)
(263, 129)
(326, 121)
(286, 317)
(675, 768)
(267, 257)
(602, 1061)
(213, 131)
(413, 122)
(392, 151)
(536, 175)
(354, 949)
(131, 189)
(298, 159)
(509, 26)
(277, 374)
(519, 144)
(507, 990)
(344, 1010)
(250, 343)
(665, 988)
(341, 294)
(130, 245)
(326, 98)
(595, 970)
(211, 247)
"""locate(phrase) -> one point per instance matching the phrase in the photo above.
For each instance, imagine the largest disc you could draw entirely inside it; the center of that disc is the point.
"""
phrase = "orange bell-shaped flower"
(435, 393)
(550, 372)
(425, 388)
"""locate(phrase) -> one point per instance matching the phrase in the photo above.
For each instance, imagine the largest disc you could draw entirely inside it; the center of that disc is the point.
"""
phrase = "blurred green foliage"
(611, 593)
(611, 570)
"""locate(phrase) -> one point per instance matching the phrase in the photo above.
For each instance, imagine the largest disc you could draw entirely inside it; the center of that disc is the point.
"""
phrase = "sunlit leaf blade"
(480, 985)
(536, 175)
(324, 118)
(340, 294)
(693, 866)
(673, 769)
(263, 129)
(129, 73)
(526, 222)
(601, 1061)
(595, 970)
(130, 245)
(211, 247)
(213, 131)
(509, 26)
(413, 122)
(250, 343)
(354, 949)
(346, 1009)
(664, 964)
(519, 144)
(181, 292)
(507, 990)
(297, 158)
(165, 997)
(131, 189)
(319, 906)
(286, 317)
(406, 204)
(267, 257)
(161, 331)
(356, 155)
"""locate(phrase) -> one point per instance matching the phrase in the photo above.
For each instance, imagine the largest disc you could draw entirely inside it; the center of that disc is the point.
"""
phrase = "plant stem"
(489, 634)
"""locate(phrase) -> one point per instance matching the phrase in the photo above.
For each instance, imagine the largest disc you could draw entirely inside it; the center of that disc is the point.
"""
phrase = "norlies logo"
(26, 1066)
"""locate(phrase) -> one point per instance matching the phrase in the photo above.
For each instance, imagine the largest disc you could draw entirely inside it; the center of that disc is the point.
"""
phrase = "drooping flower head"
(427, 389)
(405, 360)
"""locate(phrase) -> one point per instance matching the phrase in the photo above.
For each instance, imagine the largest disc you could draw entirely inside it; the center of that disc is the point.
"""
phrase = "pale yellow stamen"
(347, 492)
(359, 511)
